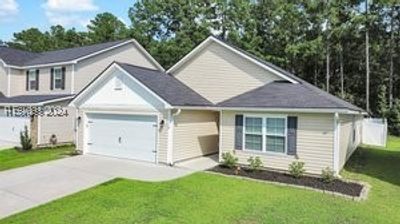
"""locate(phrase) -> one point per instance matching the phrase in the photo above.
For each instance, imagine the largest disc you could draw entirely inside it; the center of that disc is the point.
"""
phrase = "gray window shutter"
(239, 131)
(292, 136)
(63, 78)
(37, 79)
(27, 80)
(51, 78)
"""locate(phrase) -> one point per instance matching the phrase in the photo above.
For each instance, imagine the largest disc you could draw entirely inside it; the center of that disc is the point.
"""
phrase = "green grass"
(12, 158)
(208, 198)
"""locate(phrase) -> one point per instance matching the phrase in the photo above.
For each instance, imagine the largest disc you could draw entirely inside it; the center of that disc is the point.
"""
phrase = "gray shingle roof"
(24, 58)
(31, 99)
(16, 57)
(285, 95)
(166, 86)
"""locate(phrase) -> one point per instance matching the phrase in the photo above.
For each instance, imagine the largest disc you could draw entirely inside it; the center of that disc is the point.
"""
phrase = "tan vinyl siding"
(162, 139)
(87, 70)
(314, 142)
(62, 127)
(3, 80)
(18, 82)
(219, 74)
(346, 144)
(195, 134)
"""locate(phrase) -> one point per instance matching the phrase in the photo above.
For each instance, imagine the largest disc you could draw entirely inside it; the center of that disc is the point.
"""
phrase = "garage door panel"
(11, 127)
(125, 136)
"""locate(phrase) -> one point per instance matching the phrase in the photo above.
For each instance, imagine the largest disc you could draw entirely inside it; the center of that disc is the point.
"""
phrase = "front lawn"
(209, 198)
(12, 158)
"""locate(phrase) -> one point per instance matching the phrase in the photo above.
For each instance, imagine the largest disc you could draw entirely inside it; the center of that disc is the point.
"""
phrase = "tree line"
(349, 48)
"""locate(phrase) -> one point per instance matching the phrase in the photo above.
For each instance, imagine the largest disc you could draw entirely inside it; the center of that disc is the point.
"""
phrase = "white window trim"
(54, 78)
(32, 71)
(264, 133)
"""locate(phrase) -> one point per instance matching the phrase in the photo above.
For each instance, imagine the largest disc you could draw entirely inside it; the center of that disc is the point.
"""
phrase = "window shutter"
(239, 131)
(63, 78)
(292, 136)
(37, 79)
(27, 80)
(51, 78)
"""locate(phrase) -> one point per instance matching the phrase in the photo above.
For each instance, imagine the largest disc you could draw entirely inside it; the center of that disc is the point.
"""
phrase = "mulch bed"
(339, 186)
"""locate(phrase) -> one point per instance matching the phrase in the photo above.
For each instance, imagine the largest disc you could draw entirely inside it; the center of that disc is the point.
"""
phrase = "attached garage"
(124, 136)
(11, 127)
(134, 113)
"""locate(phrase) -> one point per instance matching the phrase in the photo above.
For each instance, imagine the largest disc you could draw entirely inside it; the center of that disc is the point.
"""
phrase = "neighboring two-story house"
(53, 78)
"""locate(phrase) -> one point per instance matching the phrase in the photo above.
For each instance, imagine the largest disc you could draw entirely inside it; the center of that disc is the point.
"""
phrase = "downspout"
(171, 124)
(77, 123)
(8, 81)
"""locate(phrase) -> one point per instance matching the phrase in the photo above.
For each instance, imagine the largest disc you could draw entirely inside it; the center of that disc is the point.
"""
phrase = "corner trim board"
(336, 143)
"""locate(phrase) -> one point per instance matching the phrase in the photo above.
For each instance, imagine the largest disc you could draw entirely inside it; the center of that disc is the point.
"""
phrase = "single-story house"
(216, 99)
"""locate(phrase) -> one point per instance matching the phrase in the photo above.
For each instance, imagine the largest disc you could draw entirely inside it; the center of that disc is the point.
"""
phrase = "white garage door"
(10, 127)
(124, 136)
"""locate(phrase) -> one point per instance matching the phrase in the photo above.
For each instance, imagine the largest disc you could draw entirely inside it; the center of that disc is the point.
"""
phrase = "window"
(265, 134)
(57, 78)
(276, 134)
(32, 80)
(253, 133)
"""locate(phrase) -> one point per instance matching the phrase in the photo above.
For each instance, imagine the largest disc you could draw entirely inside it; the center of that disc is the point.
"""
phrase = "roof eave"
(276, 109)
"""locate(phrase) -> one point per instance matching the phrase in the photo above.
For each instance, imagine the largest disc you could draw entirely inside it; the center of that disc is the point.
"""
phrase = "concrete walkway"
(30, 186)
(200, 163)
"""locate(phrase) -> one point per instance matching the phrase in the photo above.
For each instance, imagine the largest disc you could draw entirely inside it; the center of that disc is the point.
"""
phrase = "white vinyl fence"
(374, 131)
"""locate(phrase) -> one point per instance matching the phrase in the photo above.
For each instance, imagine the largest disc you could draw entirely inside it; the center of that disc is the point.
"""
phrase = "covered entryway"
(11, 127)
(123, 136)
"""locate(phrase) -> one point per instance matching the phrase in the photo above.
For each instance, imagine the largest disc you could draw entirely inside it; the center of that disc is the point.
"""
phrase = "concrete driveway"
(31, 186)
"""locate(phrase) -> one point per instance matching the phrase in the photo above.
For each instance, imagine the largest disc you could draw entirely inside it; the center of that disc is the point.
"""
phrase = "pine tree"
(382, 108)
(394, 118)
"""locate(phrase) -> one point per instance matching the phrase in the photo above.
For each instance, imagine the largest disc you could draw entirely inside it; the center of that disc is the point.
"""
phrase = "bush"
(255, 163)
(328, 175)
(229, 160)
(296, 169)
(25, 140)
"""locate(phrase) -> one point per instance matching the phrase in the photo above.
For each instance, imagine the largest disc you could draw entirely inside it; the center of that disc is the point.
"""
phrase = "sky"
(17, 15)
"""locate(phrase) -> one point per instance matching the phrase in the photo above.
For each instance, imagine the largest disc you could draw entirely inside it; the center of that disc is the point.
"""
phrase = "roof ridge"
(89, 45)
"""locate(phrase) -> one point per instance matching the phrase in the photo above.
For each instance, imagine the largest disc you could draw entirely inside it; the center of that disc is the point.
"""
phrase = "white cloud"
(8, 9)
(68, 12)
(70, 5)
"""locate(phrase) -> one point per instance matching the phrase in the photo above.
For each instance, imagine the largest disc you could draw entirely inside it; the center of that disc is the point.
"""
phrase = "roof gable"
(116, 89)
(241, 53)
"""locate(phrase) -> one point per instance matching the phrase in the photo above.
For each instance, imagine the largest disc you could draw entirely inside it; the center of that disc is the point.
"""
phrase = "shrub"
(229, 160)
(328, 175)
(255, 163)
(25, 140)
(296, 169)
